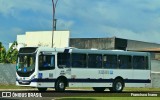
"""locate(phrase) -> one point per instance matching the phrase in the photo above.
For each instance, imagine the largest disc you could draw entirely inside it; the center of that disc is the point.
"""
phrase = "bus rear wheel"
(42, 89)
(99, 89)
(118, 86)
(60, 86)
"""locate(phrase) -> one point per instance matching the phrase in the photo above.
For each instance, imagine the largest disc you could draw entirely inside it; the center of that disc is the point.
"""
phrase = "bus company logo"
(111, 72)
(25, 69)
(6, 94)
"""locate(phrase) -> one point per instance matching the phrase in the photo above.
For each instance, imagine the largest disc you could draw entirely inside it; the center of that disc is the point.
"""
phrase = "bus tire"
(118, 86)
(60, 86)
(42, 89)
(99, 89)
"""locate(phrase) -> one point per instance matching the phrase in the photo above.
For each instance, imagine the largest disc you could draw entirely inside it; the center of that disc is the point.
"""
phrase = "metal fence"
(8, 73)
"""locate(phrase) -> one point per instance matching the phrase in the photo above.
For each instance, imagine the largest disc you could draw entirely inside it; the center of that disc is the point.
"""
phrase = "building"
(62, 39)
(116, 43)
(44, 38)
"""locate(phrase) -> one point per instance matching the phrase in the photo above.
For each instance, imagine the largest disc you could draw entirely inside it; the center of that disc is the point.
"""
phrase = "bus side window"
(140, 62)
(46, 62)
(94, 61)
(52, 61)
(63, 60)
(110, 61)
(40, 61)
(124, 62)
(78, 60)
(106, 63)
(146, 63)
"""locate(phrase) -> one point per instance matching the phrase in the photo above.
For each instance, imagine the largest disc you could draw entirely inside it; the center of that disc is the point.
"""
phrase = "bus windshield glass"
(25, 63)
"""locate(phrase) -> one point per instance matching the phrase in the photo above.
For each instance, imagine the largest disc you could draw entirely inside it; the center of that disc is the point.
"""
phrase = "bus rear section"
(101, 69)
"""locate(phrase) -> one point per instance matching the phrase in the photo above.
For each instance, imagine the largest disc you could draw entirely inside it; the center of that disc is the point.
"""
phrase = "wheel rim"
(61, 85)
(119, 86)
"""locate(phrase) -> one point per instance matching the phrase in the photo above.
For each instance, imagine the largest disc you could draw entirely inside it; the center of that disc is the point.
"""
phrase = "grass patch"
(78, 98)
(12, 86)
(141, 89)
(125, 89)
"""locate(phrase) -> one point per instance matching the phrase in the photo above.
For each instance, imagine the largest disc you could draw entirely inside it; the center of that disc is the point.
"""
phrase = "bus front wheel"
(118, 86)
(60, 86)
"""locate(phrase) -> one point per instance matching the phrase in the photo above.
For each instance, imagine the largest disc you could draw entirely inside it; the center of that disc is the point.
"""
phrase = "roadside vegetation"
(10, 55)
(12, 86)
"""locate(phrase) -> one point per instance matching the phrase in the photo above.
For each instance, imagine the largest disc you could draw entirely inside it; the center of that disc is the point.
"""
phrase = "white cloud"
(147, 36)
(133, 19)
(5, 7)
(15, 7)
(64, 24)
(124, 18)
(17, 30)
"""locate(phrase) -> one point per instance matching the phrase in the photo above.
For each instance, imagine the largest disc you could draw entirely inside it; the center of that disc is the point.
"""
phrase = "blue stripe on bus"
(109, 80)
(94, 80)
(90, 80)
(43, 80)
(136, 81)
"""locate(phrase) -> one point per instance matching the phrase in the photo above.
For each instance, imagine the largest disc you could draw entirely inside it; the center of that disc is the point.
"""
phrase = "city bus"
(43, 67)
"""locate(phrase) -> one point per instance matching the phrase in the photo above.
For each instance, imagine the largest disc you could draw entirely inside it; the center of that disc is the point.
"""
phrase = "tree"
(11, 54)
(2, 53)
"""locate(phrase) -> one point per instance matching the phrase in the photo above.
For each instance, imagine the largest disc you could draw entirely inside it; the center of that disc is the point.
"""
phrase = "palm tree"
(2, 53)
(11, 54)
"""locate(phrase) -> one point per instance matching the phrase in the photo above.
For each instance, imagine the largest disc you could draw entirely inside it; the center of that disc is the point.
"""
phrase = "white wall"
(21, 39)
(44, 38)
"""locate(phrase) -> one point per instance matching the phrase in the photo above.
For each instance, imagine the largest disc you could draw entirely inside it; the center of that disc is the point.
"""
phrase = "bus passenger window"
(52, 61)
(94, 61)
(110, 61)
(146, 63)
(140, 62)
(78, 60)
(124, 62)
(63, 60)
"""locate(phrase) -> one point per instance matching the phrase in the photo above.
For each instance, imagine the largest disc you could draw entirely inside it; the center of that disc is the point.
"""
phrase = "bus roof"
(89, 51)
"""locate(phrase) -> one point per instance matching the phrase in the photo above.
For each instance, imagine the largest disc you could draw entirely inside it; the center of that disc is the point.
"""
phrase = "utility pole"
(54, 20)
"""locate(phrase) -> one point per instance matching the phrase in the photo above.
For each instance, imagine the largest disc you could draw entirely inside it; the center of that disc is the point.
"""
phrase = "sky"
(128, 19)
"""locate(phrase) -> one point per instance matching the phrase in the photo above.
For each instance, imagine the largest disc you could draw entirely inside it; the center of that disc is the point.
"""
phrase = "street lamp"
(54, 20)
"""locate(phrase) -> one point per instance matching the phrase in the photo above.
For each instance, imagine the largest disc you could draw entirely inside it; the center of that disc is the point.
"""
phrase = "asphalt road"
(52, 95)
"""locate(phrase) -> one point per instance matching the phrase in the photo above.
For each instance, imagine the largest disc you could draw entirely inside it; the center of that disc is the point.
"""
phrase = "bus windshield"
(25, 63)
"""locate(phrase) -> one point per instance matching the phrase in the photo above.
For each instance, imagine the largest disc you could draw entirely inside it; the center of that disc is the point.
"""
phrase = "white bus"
(44, 68)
